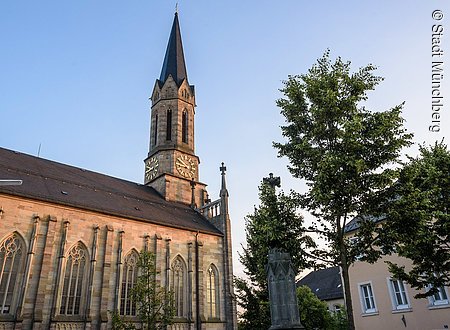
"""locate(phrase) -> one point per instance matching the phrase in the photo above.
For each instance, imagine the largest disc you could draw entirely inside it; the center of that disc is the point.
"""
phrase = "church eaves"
(174, 64)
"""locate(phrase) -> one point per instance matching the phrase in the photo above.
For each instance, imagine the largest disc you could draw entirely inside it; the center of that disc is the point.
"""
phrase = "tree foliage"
(417, 224)
(343, 151)
(274, 223)
(255, 306)
(154, 303)
(314, 313)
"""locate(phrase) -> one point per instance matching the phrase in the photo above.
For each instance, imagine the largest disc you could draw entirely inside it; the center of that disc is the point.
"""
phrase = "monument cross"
(272, 181)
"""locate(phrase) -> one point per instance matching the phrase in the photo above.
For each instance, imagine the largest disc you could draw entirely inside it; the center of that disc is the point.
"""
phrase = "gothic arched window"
(212, 292)
(184, 126)
(11, 260)
(129, 277)
(169, 125)
(155, 132)
(75, 275)
(178, 286)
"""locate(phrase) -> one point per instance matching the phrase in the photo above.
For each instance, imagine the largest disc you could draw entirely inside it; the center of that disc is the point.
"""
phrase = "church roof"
(58, 183)
(174, 60)
(324, 283)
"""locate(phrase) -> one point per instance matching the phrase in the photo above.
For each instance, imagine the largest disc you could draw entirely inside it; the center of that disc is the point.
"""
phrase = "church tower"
(172, 165)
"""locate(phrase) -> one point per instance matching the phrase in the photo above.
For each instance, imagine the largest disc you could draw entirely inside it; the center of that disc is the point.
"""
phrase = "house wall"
(420, 315)
(102, 235)
(332, 303)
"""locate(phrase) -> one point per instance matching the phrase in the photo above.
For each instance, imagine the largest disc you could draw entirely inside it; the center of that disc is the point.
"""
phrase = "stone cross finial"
(223, 189)
(223, 169)
(272, 181)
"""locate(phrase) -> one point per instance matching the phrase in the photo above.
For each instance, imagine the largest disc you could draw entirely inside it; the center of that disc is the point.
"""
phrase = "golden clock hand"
(183, 165)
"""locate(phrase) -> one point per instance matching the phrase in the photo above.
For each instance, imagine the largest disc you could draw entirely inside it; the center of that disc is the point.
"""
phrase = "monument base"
(287, 327)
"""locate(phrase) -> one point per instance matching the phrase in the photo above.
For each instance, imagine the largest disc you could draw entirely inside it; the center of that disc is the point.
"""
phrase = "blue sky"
(75, 77)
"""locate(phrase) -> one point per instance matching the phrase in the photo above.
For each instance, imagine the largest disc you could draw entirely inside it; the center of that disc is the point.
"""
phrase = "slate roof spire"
(174, 60)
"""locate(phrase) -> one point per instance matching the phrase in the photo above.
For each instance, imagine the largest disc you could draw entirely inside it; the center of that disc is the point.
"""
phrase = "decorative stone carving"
(282, 293)
(69, 326)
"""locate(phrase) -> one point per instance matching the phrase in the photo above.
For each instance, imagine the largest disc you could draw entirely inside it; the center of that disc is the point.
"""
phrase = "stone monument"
(282, 292)
(281, 281)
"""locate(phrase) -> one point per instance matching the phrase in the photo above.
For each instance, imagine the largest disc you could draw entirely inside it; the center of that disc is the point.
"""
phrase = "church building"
(70, 237)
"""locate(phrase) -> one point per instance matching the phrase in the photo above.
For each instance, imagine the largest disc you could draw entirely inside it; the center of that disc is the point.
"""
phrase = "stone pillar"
(107, 276)
(282, 293)
(48, 262)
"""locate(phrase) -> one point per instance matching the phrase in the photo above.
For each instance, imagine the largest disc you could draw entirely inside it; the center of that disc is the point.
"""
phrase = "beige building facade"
(70, 238)
(382, 302)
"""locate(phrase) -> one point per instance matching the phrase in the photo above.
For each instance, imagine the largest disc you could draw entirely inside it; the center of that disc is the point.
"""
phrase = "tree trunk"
(347, 294)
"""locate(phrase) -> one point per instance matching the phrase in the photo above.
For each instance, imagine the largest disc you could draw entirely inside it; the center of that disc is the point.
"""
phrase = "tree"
(255, 306)
(154, 303)
(342, 151)
(275, 223)
(314, 313)
(417, 223)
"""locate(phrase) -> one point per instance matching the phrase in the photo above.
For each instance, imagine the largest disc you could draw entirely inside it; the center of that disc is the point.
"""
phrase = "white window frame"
(362, 297)
(442, 301)
(396, 304)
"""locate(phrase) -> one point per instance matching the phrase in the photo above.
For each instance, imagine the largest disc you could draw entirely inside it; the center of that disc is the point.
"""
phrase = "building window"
(439, 298)
(129, 277)
(169, 125)
(155, 131)
(352, 242)
(11, 259)
(212, 292)
(184, 127)
(74, 281)
(179, 286)
(398, 294)
(367, 298)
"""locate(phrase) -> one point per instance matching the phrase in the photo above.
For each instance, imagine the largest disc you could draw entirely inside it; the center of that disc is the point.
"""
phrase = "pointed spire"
(223, 189)
(174, 60)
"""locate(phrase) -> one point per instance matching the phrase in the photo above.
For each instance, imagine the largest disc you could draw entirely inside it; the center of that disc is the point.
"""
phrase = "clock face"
(151, 168)
(186, 166)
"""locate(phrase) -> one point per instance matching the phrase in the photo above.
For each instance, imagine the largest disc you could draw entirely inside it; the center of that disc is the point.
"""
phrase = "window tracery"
(74, 281)
(11, 256)
(212, 292)
(178, 286)
(129, 278)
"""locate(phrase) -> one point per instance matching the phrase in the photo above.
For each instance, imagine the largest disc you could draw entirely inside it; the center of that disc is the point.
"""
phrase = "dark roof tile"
(324, 283)
(54, 182)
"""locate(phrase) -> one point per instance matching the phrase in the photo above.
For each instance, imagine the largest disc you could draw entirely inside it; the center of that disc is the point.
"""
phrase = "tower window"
(184, 127)
(169, 125)
(155, 131)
